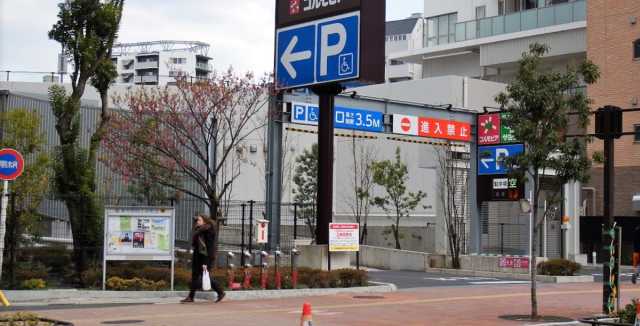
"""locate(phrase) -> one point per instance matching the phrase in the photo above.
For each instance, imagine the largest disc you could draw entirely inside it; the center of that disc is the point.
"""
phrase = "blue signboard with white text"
(491, 159)
(317, 52)
(344, 118)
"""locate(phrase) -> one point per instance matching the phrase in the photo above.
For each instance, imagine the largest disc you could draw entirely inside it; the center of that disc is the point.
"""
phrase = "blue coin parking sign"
(320, 51)
(11, 164)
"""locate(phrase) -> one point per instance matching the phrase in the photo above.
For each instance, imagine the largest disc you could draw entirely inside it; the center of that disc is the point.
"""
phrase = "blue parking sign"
(317, 52)
(491, 159)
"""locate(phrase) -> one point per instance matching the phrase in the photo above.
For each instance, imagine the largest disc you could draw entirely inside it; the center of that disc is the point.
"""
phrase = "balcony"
(147, 65)
(521, 21)
(146, 79)
(204, 66)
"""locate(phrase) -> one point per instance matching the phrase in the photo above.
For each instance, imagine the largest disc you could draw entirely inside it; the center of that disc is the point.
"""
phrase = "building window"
(501, 8)
(481, 12)
(441, 29)
(636, 130)
(396, 62)
(178, 61)
(636, 49)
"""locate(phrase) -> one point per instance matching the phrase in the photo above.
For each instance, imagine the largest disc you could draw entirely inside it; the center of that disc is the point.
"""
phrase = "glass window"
(636, 49)
(481, 12)
(636, 129)
(501, 8)
(432, 32)
(443, 26)
(441, 29)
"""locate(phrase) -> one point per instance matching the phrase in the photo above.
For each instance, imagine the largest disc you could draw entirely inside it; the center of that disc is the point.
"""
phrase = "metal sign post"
(11, 167)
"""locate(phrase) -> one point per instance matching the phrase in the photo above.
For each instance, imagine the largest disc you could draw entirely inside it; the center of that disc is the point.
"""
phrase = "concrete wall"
(391, 259)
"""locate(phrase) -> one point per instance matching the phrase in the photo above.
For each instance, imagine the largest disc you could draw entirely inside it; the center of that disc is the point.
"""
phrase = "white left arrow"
(288, 57)
(486, 161)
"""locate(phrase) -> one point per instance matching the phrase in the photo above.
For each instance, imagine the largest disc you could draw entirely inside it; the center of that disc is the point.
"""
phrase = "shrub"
(31, 270)
(628, 315)
(351, 277)
(136, 284)
(558, 267)
(34, 284)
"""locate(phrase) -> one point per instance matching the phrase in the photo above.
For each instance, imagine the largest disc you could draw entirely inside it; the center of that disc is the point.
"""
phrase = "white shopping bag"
(206, 280)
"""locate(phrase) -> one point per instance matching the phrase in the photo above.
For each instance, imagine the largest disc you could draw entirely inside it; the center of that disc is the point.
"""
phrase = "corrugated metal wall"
(110, 185)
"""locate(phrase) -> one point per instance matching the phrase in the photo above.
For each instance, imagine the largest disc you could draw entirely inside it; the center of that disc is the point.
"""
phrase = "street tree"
(87, 30)
(363, 156)
(21, 131)
(541, 106)
(397, 202)
(185, 135)
(453, 175)
(305, 192)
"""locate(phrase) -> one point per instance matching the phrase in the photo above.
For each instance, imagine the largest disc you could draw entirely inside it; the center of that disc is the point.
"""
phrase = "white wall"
(466, 9)
(165, 65)
(459, 65)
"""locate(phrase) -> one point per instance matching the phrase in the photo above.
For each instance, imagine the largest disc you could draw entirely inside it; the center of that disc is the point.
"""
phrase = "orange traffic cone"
(306, 319)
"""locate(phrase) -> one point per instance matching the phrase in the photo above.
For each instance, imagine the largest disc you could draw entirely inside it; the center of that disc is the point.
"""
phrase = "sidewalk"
(86, 297)
(468, 306)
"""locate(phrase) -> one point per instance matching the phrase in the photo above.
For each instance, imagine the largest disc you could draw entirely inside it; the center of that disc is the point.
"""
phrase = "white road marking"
(499, 282)
(557, 324)
(454, 279)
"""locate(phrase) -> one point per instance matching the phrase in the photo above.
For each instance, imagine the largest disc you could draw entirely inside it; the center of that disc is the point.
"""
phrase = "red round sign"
(11, 164)
(405, 124)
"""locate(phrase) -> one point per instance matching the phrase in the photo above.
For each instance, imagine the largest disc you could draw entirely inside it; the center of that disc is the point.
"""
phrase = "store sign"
(514, 262)
(344, 118)
(344, 237)
(492, 131)
(262, 231)
(431, 128)
(295, 11)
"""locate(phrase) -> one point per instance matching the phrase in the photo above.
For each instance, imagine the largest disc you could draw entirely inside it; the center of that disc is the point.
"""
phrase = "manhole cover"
(548, 319)
(368, 297)
(123, 322)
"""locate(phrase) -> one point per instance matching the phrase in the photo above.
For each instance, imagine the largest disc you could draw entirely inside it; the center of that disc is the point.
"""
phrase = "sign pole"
(3, 220)
(325, 165)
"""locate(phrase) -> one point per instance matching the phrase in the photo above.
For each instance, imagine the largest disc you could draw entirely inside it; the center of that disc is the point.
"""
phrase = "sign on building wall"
(344, 237)
(344, 118)
(431, 127)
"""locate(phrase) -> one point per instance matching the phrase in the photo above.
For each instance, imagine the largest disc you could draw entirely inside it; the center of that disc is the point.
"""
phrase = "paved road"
(451, 306)
(409, 280)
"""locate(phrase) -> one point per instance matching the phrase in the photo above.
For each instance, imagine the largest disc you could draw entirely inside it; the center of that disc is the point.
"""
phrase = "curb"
(517, 276)
(80, 297)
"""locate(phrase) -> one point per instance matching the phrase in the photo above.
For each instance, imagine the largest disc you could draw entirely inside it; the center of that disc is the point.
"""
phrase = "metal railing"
(521, 21)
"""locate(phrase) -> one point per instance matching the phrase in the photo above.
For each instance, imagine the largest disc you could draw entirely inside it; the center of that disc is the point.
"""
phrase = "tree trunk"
(396, 235)
(533, 244)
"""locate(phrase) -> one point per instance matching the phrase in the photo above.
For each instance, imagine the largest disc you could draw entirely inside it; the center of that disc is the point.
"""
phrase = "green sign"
(506, 134)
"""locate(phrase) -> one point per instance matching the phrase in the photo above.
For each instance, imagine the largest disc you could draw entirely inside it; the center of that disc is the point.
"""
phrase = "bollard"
(263, 274)
(294, 269)
(246, 284)
(278, 276)
(230, 274)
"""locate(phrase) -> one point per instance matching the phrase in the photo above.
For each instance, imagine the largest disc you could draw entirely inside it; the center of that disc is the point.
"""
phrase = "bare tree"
(453, 175)
(363, 156)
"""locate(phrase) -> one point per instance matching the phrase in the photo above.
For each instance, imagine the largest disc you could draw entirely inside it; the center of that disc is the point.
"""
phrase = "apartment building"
(485, 38)
(160, 62)
(401, 36)
(613, 43)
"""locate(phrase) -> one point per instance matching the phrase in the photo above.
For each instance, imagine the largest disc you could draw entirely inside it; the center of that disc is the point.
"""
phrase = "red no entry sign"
(11, 164)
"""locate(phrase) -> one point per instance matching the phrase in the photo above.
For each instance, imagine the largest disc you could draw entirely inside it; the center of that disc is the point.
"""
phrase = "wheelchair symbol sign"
(346, 64)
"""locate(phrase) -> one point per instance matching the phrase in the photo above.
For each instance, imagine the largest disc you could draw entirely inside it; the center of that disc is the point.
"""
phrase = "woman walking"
(203, 242)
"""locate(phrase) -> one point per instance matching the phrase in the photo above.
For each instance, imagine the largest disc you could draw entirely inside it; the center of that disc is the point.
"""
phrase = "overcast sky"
(240, 32)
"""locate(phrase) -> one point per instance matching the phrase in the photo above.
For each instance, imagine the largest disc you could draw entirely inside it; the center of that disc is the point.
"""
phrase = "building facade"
(485, 38)
(160, 62)
(613, 43)
(401, 36)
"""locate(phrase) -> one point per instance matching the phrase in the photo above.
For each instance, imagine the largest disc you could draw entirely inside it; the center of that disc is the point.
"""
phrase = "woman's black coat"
(208, 235)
